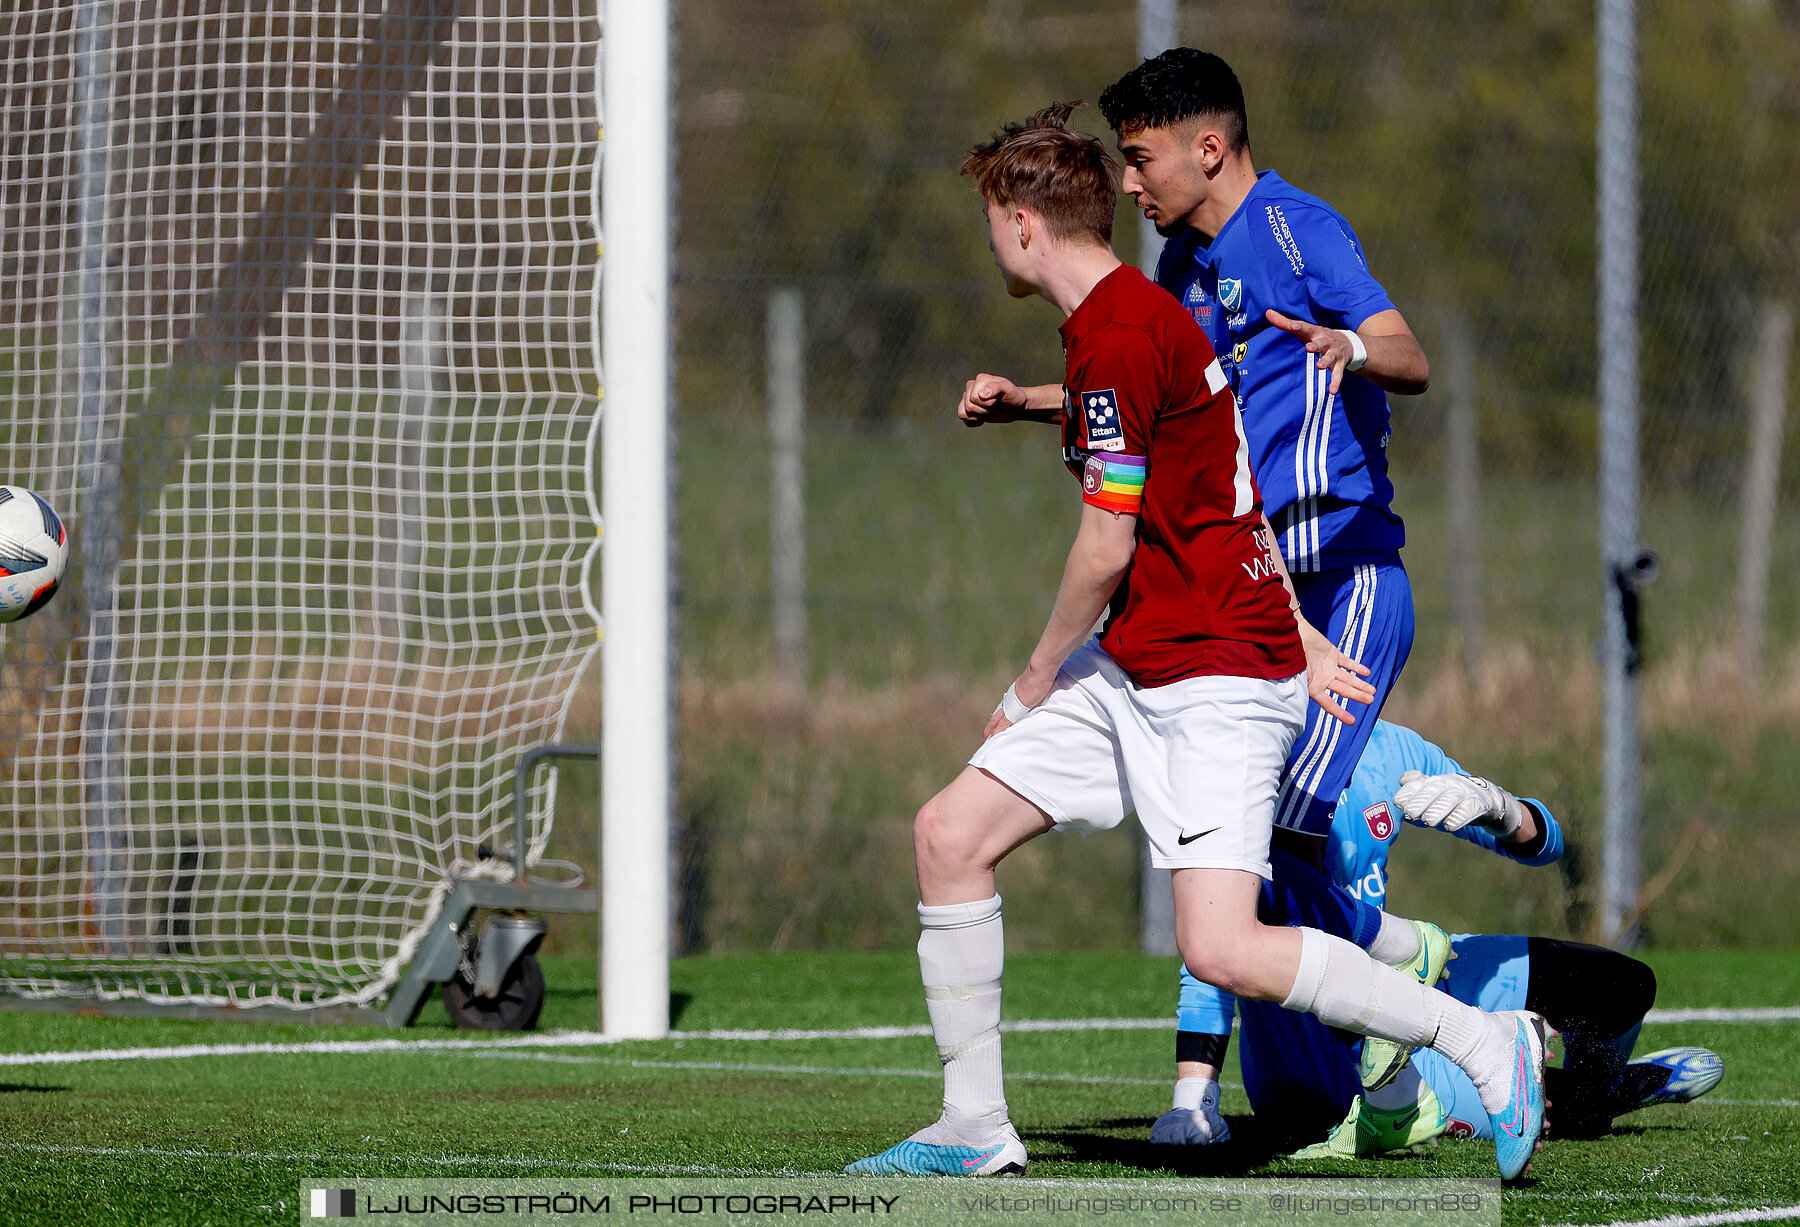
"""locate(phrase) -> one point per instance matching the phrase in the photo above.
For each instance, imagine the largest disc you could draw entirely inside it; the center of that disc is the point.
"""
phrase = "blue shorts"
(1367, 610)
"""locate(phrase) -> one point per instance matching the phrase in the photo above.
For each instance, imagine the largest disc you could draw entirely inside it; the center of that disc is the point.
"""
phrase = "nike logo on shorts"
(1188, 839)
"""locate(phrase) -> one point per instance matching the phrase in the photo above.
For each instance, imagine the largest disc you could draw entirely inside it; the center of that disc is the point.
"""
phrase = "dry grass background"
(796, 805)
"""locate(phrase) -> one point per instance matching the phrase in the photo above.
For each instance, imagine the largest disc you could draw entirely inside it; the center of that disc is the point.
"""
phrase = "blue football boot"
(1516, 1126)
(937, 1151)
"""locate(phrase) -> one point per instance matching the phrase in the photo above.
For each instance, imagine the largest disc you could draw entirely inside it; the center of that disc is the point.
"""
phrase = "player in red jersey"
(1183, 710)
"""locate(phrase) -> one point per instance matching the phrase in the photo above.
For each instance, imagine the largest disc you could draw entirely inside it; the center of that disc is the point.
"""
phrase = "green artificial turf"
(228, 1138)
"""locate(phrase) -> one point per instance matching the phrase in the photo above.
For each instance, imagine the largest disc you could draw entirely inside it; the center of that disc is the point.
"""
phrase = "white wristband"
(1359, 353)
(1011, 707)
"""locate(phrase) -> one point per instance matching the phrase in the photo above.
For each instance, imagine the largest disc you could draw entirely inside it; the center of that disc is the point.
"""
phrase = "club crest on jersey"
(1381, 823)
(1100, 411)
(1231, 293)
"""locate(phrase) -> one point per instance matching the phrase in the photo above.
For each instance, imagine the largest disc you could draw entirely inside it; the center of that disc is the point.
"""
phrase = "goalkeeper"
(1305, 1075)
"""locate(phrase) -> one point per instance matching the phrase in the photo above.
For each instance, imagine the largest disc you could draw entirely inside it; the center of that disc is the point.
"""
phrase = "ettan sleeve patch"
(1100, 418)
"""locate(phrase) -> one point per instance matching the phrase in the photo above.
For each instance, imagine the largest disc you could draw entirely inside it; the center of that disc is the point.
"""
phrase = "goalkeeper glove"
(1451, 802)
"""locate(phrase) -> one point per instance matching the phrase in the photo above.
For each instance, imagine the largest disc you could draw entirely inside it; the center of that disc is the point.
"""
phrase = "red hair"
(1066, 177)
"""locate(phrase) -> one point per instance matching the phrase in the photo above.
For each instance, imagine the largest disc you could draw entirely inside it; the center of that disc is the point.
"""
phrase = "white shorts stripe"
(1309, 768)
(1367, 619)
(1321, 738)
(1290, 794)
(1304, 769)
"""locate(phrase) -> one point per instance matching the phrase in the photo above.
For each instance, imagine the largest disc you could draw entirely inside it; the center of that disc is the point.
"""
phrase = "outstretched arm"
(1394, 359)
(1453, 801)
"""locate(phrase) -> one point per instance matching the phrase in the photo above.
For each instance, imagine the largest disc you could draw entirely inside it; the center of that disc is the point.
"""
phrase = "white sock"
(1346, 988)
(1396, 942)
(962, 951)
(1402, 1092)
(1196, 1093)
(1482, 1045)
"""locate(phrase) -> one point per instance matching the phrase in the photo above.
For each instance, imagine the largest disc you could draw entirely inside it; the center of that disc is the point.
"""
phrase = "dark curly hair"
(1180, 84)
(1067, 177)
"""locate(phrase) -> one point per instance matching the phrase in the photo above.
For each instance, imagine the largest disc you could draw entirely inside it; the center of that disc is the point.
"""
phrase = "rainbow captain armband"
(1114, 481)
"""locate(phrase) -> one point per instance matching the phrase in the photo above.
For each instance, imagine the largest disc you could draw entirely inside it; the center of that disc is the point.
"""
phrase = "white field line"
(590, 1039)
(1756, 1014)
(842, 1070)
(553, 1039)
(659, 1169)
(1766, 1214)
(1673, 1199)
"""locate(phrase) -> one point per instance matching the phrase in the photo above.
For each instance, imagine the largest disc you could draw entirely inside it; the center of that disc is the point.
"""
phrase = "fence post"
(423, 362)
(1158, 30)
(786, 375)
(1762, 480)
(1621, 556)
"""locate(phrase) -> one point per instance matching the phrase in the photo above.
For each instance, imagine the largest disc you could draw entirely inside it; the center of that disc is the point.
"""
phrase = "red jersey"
(1151, 427)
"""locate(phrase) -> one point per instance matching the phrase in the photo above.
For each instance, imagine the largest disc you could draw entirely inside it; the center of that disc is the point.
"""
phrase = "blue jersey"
(1320, 460)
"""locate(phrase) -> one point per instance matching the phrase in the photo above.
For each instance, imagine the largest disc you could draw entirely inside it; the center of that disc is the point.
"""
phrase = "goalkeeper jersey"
(1320, 459)
(1366, 820)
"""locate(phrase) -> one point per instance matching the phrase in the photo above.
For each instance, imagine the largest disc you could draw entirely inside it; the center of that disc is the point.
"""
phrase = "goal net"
(296, 324)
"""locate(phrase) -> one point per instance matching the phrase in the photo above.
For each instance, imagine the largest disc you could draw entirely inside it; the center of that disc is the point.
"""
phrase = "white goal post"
(297, 329)
(635, 750)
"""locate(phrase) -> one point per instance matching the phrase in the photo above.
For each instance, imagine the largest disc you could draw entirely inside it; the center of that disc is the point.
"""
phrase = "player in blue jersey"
(1306, 1076)
(1311, 343)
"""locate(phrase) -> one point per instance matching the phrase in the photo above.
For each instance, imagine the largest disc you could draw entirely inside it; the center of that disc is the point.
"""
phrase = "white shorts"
(1199, 761)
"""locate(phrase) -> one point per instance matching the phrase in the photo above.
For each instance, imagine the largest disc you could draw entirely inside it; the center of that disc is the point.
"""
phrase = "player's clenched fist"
(1451, 802)
(990, 398)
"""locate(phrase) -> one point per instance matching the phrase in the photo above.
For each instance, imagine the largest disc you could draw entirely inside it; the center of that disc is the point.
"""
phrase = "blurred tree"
(819, 143)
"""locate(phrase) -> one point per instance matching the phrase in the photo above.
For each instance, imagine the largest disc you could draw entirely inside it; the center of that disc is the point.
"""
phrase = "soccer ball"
(34, 552)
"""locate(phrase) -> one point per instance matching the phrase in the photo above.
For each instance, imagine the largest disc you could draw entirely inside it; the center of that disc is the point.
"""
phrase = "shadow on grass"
(1250, 1149)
